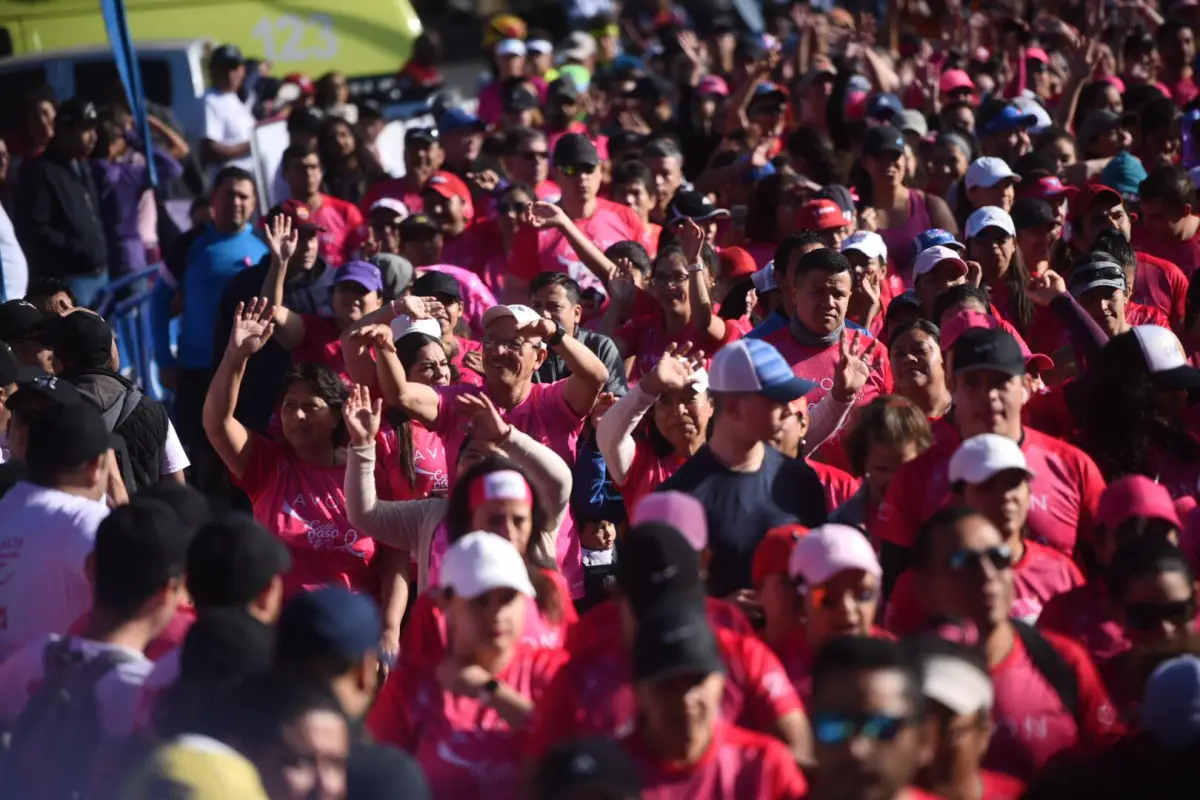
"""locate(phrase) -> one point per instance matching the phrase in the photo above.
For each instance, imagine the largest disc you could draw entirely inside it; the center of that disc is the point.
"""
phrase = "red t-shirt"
(1085, 616)
(1030, 723)
(839, 485)
(647, 471)
(594, 696)
(547, 250)
(738, 765)
(1138, 314)
(305, 506)
(1185, 254)
(344, 230)
(465, 748)
(1161, 284)
(1041, 575)
(466, 375)
(1050, 413)
(473, 247)
(1045, 334)
(322, 344)
(601, 625)
(1065, 491)
(648, 340)
(998, 786)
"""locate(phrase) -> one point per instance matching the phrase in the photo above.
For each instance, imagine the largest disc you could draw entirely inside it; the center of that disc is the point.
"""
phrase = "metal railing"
(125, 303)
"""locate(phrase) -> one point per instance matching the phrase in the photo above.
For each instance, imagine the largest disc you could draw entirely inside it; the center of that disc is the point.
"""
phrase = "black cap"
(675, 638)
(139, 547)
(21, 320)
(192, 507)
(986, 348)
(883, 139)
(750, 48)
(232, 560)
(574, 149)
(1031, 212)
(520, 97)
(223, 645)
(594, 767)
(654, 561)
(80, 340)
(77, 113)
(434, 282)
(329, 622)
(654, 89)
(1100, 270)
(562, 90)
(384, 773)
(690, 204)
(840, 195)
(66, 436)
(625, 140)
(13, 371)
(417, 222)
(227, 55)
(421, 135)
(44, 391)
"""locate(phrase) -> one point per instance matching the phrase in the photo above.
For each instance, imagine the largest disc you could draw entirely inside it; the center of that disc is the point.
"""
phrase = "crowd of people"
(806, 414)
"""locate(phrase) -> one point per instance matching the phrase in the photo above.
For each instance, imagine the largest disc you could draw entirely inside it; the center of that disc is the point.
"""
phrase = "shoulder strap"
(1052, 666)
(133, 396)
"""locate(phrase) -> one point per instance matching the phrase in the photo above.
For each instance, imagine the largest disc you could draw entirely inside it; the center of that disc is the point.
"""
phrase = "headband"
(506, 484)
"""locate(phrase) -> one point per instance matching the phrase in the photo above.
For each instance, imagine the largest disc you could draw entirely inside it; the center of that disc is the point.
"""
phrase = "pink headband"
(505, 484)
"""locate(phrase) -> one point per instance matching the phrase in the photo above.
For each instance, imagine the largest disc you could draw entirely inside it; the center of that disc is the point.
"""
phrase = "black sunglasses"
(1000, 557)
(1144, 616)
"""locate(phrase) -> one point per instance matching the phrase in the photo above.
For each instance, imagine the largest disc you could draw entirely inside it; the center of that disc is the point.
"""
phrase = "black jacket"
(58, 218)
(141, 427)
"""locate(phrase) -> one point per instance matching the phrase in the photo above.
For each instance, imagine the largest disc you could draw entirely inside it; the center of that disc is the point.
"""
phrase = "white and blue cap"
(752, 366)
(764, 279)
(1171, 704)
(936, 237)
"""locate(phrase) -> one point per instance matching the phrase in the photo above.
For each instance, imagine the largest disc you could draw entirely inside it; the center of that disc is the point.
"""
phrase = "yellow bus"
(360, 38)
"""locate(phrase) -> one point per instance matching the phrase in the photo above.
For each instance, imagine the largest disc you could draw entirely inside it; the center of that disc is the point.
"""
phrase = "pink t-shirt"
(429, 464)
(464, 747)
(1064, 494)
(466, 375)
(476, 297)
(547, 250)
(491, 104)
(1161, 284)
(305, 506)
(648, 339)
(322, 344)
(345, 230)
(647, 471)
(839, 485)
(1138, 314)
(473, 247)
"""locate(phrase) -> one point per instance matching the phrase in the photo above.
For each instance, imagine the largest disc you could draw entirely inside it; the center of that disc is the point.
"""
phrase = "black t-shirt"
(743, 506)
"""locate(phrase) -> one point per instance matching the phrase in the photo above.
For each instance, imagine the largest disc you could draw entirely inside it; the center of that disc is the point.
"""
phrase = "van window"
(94, 78)
(6, 42)
(16, 84)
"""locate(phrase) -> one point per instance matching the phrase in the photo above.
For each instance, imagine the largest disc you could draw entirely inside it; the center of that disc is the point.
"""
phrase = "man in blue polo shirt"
(191, 282)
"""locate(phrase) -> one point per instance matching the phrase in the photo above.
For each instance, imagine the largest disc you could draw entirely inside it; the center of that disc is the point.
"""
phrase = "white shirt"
(45, 538)
(174, 458)
(164, 673)
(118, 693)
(228, 121)
(12, 260)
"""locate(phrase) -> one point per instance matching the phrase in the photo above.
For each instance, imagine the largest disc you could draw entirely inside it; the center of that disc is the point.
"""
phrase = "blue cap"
(457, 119)
(1009, 118)
(1124, 173)
(883, 106)
(1171, 703)
(935, 237)
(331, 621)
(759, 173)
(752, 366)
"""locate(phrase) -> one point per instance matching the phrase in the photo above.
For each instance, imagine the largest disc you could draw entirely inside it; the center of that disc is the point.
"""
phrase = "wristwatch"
(559, 333)
(488, 690)
(695, 267)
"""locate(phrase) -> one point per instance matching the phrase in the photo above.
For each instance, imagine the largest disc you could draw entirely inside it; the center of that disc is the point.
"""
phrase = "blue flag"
(125, 58)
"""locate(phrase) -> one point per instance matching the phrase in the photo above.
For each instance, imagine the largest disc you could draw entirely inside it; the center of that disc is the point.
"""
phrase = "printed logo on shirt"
(10, 553)
(323, 534)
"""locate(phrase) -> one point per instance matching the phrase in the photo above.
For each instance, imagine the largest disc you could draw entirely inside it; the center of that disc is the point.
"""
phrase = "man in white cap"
(869, 294)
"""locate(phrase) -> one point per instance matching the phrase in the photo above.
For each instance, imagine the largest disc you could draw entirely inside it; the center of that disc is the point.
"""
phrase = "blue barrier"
(125, 303)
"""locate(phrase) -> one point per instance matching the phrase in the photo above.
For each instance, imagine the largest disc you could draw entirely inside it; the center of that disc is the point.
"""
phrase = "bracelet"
(695, 268)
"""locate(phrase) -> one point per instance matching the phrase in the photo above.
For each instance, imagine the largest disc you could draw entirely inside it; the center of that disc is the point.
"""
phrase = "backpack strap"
(133, 396)
(1052, 666)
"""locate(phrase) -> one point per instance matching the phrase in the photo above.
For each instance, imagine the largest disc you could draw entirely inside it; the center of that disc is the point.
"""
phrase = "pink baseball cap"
(1048, 188)
(681, 511)
(954, 79)
(1036, 54)
(963, 321)
(830, 549)
(713, 84)
(1136, 496)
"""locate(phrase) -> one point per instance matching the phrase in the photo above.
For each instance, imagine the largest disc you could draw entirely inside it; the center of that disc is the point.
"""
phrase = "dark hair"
(326, 384)
(1143, 556)
(570, 285)
(407, 349)
(792, 242)
(942, 519)
(519, 136)
(634, 251)
(667, 253)
(823, 259)
(817, 162)
(1091, 99)
(888, 420)
(847, 654)
(761, 220)
(303, 121)
(108, 130)
(922, 325)
(332, 158)
(633, 170)
(122, 582)
(297, 152)
(263, 705)
(958, 295)
(231, 174)
(326, 92)
(1017, 278)
(1168, 184)
(42, 289)
(1114, 243)
(1157, 115)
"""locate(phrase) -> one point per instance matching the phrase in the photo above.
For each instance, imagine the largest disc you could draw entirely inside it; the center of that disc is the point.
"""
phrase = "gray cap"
(1098, 123)
(397, 274)
(910, 120)
(1171, 704)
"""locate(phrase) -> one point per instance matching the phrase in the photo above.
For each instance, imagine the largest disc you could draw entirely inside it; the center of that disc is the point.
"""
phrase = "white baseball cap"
(480, 562)
(869, 243)
(927, 260)
(539, 47)
(830, 549)
(510, 47)
(982, 457)
(764, 279)
(989, 217)
(987, 171)
(1165, 358)
(397, 207)
(957, 684)
(524, 315)
(404, 325)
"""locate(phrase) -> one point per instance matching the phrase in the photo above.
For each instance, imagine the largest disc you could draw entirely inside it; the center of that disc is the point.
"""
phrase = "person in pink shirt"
(446, 290)
(500, 232)
(577, 172)
(464, 718)
(340, 224)
(1169, 229)
(446, 199)
(423, 156)
(508, 61)
(1177, 51)
(989, 473)
(633, 185)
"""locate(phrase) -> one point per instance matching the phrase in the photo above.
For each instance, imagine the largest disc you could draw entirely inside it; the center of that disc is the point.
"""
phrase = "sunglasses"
(1145, 616)
(508, 207)
(832, 728)
(571, 170)
(1000, 557)
(534, 155)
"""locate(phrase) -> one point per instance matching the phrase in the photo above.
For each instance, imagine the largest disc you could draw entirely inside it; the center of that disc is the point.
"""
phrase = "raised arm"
(252, 328)
(691, 237)
(588, 373)
(547, 215)
(282, 241)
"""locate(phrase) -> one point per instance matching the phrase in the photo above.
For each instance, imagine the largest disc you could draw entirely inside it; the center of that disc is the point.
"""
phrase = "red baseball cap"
(954, 79)
(774, 550)
(821, 215)
(736, 263)
(1088, 196)
(302, 81)
(1048, 188)
(449, 185)
(1136, 496)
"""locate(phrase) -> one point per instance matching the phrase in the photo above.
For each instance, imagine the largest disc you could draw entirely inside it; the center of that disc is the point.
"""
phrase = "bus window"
(16, 84)
(6, 42)
(96, 79)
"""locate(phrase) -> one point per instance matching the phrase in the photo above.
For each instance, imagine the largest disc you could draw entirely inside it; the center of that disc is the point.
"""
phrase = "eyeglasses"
(496, 343)
(571, 170)
(508, 207)
(534, 155)
(1145, 616)
(833, 728)
(1000, 557)
(674, 280)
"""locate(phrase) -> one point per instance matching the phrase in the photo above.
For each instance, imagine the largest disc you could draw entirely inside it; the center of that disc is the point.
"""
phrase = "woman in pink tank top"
(900, 212)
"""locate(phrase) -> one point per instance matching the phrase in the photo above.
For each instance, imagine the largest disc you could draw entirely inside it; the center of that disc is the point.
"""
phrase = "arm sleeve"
(403, 524)
(614, 432)
(168, 167)
(550, 475)
(825, 420)
(1087, 338)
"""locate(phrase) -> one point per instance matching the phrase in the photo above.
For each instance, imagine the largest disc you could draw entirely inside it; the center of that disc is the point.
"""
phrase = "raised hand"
(604, 402)
(672, 372)
(484, 420)
(541, 328)
(545, 215)
(1045, 286)
(377, 337)
(473, 360)
(282, 239)
(974, 273)
(858, 356)
(253, 326)
(419, 307)
(691, 239)
(622, 285)
(362, 416)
